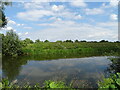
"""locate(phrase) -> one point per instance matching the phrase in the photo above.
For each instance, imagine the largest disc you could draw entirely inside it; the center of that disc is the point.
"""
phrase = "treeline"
(12, 45)
(75, 41)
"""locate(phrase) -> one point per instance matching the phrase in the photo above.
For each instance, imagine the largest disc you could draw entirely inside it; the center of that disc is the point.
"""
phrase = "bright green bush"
(11, 44)
(47, 84)
(112, 82)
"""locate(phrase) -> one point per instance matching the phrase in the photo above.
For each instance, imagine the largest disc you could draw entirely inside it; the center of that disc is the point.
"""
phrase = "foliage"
(69, 41)
(112, 82)
(48, 84)
(37, 41)
(46, 41)
(11, 44)
(68, 48)
(27, 41)
(53, 84)
(103, 41)
(3, 19)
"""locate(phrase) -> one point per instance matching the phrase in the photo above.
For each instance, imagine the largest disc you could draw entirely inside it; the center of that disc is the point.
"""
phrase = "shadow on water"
(114, 67)
(83, 72)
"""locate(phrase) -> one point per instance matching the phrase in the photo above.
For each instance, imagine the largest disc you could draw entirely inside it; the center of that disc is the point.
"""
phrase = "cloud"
(20, 24)
(57, 8)
(27, 27)
(7, 28)
(108, 24)
(78, 3)
(11, 22)
(26, 33)
(37, 13)
(64, 30)
(34, 15)
(78, 17)
(19, 34)
(114, 3)
(94, 11)
(113, 17)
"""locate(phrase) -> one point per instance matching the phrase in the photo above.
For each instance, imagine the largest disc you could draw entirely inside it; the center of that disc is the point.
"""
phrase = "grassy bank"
(71, 49)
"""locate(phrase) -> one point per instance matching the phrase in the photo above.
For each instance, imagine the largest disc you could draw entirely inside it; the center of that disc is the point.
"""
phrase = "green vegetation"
(3, 19)
(112, 82)
(13, 46)
(5, 84)
(71, 48)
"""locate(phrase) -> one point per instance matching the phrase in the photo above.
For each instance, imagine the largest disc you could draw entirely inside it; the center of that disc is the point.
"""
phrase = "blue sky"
(91, 21)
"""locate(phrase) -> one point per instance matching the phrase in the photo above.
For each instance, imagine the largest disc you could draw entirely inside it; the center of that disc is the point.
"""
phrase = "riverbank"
(66, 49)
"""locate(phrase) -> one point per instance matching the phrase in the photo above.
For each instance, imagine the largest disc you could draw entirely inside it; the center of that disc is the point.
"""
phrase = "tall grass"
(74, 49)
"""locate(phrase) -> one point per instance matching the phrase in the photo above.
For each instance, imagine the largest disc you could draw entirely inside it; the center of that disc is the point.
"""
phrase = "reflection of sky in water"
(64, 69)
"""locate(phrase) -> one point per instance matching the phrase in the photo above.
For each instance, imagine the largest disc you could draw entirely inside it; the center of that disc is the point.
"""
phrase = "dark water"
(84, 72)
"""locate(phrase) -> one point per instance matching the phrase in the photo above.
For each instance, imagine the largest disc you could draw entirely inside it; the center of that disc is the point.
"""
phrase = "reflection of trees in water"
(115, 66)
(12, 66)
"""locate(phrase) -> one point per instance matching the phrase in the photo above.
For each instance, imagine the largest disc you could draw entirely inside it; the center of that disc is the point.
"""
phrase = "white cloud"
(9, 28)
(78, 3)
(78, 17)
(57, 8)
(11, 22)
(31, 5)
(34, 15)
(63, 30)
(20, 24)
(114, 2)
(26, 33)
(27, 27)
(113, 17)
(19, 34)
(108, 24)
(94, 11)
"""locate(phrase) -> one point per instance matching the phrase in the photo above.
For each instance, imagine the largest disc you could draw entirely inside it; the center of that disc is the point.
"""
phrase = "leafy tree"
(59, 41)
(3, 20)
(103, 41)
(76, 41)
(83, 41)
(28, 41)
(46, 41)
(69, 41)
(37, 41)
(11, 44)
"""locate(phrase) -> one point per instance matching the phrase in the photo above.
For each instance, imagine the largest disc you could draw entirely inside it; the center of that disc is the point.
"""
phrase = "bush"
(11, 44)
(112, 82)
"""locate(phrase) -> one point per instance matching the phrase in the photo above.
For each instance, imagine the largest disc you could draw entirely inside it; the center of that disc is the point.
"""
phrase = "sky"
(91, 21)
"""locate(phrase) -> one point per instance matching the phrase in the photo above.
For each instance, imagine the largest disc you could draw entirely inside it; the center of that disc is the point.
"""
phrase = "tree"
(11, 44)
(69, 41)
(46, 41)
(59, 41)
(28, 41)
(76, 41)
(3, 19)
(83, 41)
(103, 41)
(37, 41)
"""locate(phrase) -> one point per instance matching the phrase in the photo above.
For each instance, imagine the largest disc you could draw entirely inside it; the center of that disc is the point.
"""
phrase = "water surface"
(84, 72)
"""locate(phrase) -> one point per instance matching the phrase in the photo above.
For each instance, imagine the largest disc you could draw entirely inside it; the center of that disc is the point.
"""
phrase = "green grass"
(68, 49)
